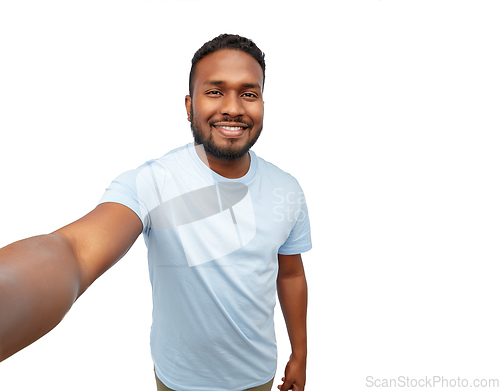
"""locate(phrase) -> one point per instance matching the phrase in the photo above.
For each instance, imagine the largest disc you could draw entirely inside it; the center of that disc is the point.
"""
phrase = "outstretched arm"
(292, 293)
(41, 277)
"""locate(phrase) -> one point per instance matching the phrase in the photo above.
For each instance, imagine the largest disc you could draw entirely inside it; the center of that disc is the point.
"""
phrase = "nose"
(231, 105)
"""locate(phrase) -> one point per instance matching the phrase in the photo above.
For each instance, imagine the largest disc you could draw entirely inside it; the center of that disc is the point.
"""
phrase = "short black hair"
(227, 41)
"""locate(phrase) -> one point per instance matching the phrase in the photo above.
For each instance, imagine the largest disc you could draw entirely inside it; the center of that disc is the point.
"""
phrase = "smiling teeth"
(231, 127)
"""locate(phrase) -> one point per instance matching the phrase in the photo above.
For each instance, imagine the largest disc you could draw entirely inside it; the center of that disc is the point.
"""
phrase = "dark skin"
(71, 258)
(227, 94)
(292, 293)
(227, 91)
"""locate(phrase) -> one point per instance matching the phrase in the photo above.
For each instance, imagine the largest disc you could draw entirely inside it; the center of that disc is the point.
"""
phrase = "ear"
(187, 102)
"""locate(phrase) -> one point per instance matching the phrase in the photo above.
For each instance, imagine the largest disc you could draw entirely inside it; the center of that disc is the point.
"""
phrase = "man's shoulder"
(275, 172)
(173, 155)
(177, 156)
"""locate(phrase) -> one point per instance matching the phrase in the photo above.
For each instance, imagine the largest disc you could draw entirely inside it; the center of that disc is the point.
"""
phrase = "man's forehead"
(225, 66)
(214, 82)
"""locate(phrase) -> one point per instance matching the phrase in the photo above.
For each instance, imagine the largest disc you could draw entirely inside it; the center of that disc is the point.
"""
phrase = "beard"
(229, 151)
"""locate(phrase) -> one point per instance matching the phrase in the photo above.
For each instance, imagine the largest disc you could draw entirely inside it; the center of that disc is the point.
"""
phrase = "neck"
(231, 169)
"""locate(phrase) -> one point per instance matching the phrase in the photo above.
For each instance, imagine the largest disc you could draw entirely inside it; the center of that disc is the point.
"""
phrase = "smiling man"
(227, 91)
(219, 244)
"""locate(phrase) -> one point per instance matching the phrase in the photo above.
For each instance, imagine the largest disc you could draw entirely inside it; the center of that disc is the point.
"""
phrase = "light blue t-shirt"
(213, 247)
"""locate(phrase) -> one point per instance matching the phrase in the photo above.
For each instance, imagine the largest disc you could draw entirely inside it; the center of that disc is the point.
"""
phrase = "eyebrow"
(251, 85)
(214, 82)
(220, 82)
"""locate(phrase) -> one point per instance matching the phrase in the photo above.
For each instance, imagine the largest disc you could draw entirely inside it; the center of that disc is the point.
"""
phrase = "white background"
(387, 112)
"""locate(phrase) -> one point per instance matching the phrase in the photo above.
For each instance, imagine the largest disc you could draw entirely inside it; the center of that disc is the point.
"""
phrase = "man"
(224, 231)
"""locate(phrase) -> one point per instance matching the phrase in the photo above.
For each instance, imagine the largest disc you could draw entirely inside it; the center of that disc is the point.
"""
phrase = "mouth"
(230, 130)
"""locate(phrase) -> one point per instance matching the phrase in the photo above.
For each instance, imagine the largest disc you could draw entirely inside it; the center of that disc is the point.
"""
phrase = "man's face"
(226, 108)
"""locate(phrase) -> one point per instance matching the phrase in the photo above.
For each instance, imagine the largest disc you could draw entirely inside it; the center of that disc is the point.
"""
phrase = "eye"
(214, 92)
(250, 95)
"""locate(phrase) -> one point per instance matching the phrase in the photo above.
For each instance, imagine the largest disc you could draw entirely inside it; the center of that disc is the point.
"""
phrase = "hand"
(295, 375)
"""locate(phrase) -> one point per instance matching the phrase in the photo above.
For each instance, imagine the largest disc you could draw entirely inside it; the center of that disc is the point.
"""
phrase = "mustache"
(230, 119)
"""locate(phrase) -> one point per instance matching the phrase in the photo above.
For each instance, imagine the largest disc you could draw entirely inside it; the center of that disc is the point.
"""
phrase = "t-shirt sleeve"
(123, 190)
(299, 239)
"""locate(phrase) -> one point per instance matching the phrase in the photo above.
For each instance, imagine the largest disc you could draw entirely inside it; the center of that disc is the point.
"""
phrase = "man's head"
(225, 104)
(227, 41)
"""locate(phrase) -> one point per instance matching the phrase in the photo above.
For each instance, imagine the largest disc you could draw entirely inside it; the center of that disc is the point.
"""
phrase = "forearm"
(39, 281)
(292, 293)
